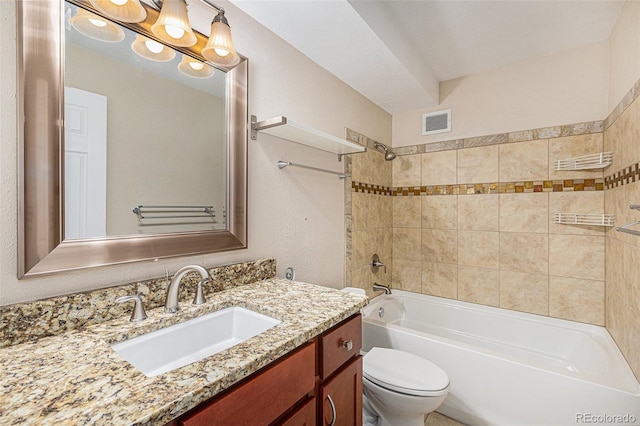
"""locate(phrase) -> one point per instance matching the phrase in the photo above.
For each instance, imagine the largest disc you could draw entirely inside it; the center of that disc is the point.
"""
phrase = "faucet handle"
(199, 299)
(376, 264)
(138, 313)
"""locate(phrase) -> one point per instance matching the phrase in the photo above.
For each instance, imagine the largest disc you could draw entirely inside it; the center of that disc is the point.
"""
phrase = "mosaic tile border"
(567, 185)
(623, 177)
(30, 321)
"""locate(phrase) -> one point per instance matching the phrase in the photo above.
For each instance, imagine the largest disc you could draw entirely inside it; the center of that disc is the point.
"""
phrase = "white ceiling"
(395, 52)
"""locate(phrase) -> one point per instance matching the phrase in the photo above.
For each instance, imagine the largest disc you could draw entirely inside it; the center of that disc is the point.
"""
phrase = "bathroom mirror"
(154, 204)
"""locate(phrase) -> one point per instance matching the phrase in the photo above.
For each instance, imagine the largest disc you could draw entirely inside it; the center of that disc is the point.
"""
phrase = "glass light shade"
(173, 25)
(123, 11)
(95, 27)
(219, 48)
(194, 68)
(152, 50)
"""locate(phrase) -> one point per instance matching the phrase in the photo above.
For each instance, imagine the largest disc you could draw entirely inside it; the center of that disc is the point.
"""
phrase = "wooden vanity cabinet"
(262, 398)
(315, 384)
(340, 374)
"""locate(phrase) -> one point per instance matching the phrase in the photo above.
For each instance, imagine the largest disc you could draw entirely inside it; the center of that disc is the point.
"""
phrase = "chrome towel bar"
(282, 164)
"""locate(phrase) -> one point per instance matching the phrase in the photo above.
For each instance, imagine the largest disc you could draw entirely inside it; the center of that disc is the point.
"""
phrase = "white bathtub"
(506, 367)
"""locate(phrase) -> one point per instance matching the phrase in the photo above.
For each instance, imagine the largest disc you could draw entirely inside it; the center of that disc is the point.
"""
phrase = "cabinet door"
(342, 396)
(264, 397)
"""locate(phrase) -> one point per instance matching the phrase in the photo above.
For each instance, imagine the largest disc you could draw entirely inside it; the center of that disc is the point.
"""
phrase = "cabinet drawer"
(339, 344)
(264, 397)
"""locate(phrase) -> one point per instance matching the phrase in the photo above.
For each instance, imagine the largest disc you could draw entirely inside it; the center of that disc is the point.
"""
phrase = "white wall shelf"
(585, 219)
(290, 130)
(585, 162)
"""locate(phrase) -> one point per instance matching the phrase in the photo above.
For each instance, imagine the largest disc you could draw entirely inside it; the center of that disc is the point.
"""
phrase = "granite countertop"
(76, 378)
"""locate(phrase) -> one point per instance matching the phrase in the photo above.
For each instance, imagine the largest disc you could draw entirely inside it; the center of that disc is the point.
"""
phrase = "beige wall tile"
(478, 212)
(577, 300)
(524, 161)
(406, 244)
(479, 248)
(440, 279)
(478, 285)
(576, 256)
(440, 212)
(585, 202)
(524, 212)
(361, 167)
(407, 275)
(406, 212)
(360, 247)
(524, 252)
(359, 211)
(524, 292)
(439, 168)
(406, 170)
(478, 165)
(439, 246)
(629, 286)
(574, 146)
(379, 211)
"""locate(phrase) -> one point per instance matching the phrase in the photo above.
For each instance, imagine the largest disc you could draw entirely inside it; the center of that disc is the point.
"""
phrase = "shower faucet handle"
(376, 264)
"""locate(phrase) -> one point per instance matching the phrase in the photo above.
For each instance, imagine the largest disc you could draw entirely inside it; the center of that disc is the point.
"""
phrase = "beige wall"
(621, 137)
(561, 89)
(624, 53)
(295, 215)
(166, 129)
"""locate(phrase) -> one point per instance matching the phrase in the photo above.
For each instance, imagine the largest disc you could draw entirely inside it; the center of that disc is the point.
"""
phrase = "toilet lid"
(404, 372)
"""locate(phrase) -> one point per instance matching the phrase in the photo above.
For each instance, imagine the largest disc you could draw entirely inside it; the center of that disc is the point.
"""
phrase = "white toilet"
(400, 388)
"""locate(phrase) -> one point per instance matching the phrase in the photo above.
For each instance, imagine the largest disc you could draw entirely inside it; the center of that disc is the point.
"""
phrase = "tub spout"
(381, 287)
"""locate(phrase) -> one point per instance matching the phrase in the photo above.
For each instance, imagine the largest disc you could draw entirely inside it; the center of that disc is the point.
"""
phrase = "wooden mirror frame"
(41, 249)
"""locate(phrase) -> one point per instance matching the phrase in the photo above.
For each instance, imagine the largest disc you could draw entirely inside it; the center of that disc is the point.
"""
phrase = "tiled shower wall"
(368, 216)
(473, 220)
(476, 223)
(622, 137)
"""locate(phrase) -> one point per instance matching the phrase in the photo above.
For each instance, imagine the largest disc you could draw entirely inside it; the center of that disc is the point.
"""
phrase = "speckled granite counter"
(76, 378)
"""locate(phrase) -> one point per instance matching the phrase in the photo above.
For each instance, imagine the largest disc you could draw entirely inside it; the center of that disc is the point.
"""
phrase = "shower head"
(388, 154)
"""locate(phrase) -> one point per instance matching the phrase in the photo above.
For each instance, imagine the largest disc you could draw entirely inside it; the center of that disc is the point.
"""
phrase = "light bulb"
(221, 52)
(153, 46)
(196, 65)
(119, 2)
(173, 31)
(98, 23)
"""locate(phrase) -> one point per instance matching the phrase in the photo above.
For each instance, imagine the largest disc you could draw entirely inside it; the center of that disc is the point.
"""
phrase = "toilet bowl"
(400, 388)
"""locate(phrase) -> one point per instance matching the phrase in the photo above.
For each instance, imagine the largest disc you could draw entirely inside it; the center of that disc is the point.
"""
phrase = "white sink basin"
(181, 344)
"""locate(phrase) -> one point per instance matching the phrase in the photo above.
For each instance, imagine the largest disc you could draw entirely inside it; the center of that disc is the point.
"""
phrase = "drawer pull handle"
(333, 411)
(347, 344)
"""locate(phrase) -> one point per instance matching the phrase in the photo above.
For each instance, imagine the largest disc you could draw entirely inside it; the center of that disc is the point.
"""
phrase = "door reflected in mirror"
(145, 138)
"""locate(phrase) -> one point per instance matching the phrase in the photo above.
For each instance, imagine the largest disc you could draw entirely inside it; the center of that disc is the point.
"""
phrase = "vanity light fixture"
(95, 27)
(152, 50)
(121, 10)
(219, 48)
(173, 25)
(194, 68)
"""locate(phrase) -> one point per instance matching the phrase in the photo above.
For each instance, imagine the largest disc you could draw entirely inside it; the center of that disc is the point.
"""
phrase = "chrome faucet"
(376, 264)
(171, 304)
(381, 287)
